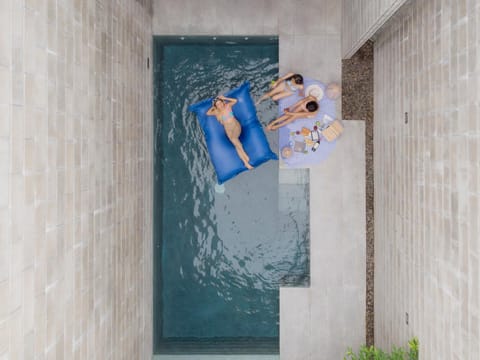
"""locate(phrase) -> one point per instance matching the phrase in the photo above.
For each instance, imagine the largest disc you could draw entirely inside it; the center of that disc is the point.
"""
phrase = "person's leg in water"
(280, 88)
(281, 95)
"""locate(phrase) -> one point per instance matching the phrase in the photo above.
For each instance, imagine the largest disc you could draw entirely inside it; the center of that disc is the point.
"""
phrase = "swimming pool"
(219, 258)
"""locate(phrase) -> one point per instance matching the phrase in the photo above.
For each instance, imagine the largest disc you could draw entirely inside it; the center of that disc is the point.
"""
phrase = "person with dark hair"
(222, 110)
(285, 86)
(305, 108)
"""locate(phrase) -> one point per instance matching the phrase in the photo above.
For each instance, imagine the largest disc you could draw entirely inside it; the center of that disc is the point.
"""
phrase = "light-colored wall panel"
(361, 19)
(427, 187)
(75, 180)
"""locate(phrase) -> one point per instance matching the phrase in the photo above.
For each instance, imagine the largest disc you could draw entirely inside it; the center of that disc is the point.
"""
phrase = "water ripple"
(212, 256)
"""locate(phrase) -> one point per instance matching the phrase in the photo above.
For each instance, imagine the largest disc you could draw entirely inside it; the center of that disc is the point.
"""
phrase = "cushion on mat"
(224, 157)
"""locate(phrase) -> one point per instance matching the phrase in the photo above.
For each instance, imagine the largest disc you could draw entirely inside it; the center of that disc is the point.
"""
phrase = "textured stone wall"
(75, 180)
(361, 19)
(427, 184)
(147, 5)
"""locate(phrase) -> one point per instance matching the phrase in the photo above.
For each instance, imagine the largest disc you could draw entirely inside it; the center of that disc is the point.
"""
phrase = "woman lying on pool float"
(222, 110)
(305, 108)
(285, 86)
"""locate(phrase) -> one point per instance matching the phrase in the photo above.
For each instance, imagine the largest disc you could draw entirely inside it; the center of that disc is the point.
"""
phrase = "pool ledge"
(330, 314)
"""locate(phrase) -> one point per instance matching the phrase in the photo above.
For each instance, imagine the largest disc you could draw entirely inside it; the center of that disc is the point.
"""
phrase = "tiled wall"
(147, 5)
(75, 180)
(361, 19)
(427, 179)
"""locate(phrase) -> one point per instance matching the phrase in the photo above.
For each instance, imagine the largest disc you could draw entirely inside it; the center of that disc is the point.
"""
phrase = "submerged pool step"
(216, 357)
(293, 190)
(293, 197)
(293, 176)
(220, 346)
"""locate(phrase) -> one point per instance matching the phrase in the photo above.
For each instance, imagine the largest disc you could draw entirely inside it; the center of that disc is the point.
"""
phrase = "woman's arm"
(303, 113)
(302, 102)
(306, 114)
(295, 107)
(298, 104)
(212, 111)
(280, 79)
(232, 100)
(286, 76)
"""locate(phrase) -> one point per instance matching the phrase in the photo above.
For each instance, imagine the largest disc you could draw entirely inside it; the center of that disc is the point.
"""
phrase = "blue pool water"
(219, 257)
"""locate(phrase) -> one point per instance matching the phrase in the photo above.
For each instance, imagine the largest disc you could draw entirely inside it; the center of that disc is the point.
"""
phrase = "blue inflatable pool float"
(224, 157)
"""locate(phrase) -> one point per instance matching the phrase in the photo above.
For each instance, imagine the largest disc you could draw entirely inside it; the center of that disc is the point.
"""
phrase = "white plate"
(314, 90)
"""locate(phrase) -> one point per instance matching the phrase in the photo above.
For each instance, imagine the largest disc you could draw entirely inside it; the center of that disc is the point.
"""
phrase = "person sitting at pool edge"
(305, 108)
(285, 86)
(222, 110)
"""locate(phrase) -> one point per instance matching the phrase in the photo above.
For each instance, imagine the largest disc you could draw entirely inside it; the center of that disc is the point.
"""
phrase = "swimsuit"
(292, 88)
(227, 117)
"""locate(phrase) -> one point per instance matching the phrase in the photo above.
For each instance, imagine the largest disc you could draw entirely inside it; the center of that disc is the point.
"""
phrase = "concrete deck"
(322, 321)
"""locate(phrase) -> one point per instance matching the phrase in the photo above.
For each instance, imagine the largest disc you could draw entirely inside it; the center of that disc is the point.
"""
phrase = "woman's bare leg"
(272, 125)
(241, 153)
(281, 95)
(269, 94)
(282, 121)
